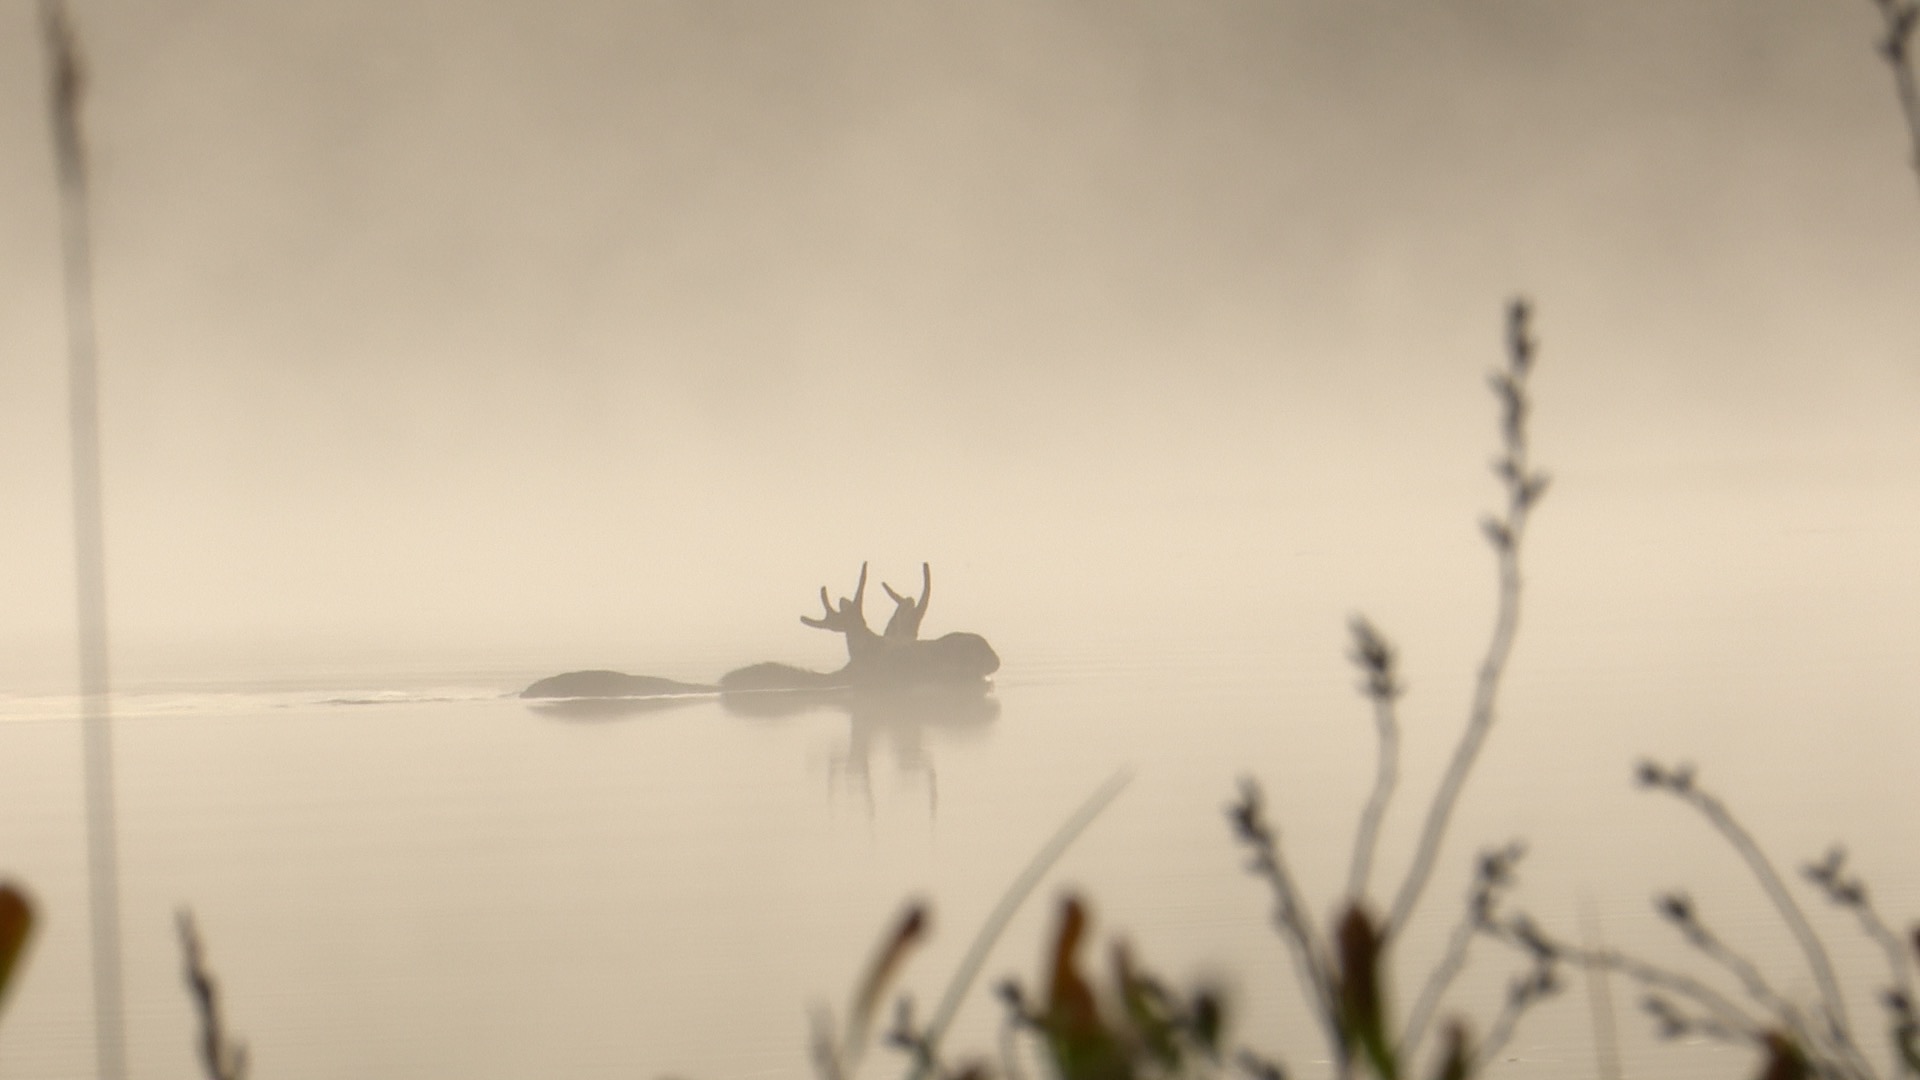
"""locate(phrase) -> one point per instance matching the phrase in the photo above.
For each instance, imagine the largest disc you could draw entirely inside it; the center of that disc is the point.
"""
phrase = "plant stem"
(1901, 17)
(1386, 775)
(1523, 490)
(69, 154)
(1003, 913)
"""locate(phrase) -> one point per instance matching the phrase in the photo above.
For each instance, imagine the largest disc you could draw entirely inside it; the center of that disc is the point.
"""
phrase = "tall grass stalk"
(1003, 912)
(69, 155)
(1901, 18)
(838, 1059)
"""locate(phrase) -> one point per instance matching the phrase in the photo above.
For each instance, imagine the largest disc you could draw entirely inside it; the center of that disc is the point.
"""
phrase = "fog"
(603, 334)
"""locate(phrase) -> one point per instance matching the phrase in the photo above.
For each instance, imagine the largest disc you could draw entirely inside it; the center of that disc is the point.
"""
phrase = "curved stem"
(1385, 777)
(1833, 1004)
(1524, 488)
(1003, 913)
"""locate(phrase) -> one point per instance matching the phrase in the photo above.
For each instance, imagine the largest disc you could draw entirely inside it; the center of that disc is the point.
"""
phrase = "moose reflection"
(905, 719)
(894, 659)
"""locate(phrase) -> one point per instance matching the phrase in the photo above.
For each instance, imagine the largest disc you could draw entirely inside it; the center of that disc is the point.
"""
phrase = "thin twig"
(222, 1058)
(1524, 489)
(1850, 892)
(1680, 783)
(1655, 977)
(1677, 908)
(1675, 1024)
(1523, 993)
(1495, 872)
(1452, 962)
(1310, 963)
(1010, 1029)
(1375, 657)
(1901, 18)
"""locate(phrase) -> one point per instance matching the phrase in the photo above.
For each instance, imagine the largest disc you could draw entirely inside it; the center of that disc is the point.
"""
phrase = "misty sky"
(609, 331)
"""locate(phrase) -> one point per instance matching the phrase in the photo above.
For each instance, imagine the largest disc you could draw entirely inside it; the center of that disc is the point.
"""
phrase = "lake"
(416, 873)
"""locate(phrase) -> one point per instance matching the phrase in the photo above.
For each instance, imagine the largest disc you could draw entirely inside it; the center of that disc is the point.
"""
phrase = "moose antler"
(849, 617)
(907, 612)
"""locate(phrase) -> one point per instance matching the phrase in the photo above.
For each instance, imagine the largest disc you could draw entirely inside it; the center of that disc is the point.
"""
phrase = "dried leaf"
(912, 928)
(1784, 1059)
(914, 925)
(1363, 1020)
(16, 923)
(1082, 1047)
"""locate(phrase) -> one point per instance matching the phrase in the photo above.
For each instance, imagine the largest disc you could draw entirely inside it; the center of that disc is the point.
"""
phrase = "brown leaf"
(1083, 1048)
(1784, 1060)
(16, 923)
(914, 925)
(1070, 1004)
(1363, 1020)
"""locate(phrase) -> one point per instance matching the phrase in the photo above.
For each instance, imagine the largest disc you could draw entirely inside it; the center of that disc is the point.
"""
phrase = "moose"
(894, 659)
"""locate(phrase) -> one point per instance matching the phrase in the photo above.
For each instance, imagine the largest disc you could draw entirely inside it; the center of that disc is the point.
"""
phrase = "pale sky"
(512, 331)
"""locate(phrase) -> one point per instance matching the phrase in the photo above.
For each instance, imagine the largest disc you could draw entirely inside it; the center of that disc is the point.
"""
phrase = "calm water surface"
(422, 876)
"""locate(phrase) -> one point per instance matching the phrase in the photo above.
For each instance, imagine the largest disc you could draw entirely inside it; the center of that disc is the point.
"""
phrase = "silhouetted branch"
(1524, 488)
(1850, 892)
(922, 1047)
(1673, 1022)
(1521, 932)
(1901, 17)
(1677, 909)
(222, 1058)
(1492, 876)
(1524, 992)
(1679, 781)
(1309, 962)
(1375, 658)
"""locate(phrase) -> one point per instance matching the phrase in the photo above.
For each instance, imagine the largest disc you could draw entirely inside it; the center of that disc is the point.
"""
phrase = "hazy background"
(503, 338)
(603, 333)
